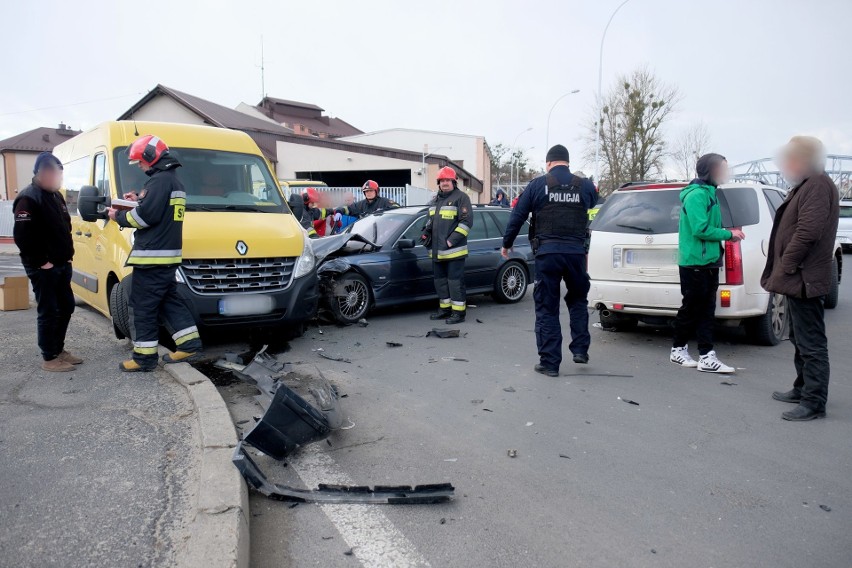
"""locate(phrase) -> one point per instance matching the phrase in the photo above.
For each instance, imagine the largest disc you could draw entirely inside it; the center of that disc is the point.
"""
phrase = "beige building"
(467, 151)
(18, 154)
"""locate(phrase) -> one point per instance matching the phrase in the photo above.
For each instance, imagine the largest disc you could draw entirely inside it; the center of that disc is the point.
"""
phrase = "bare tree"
(631, 124)
(688, 147)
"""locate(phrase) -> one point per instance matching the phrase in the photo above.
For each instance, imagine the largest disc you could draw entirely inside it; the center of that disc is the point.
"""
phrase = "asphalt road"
(697, 474)
(97, 468)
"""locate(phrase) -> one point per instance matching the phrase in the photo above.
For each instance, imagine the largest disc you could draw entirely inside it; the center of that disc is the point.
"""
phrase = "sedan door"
(484, 242)
(410, 275)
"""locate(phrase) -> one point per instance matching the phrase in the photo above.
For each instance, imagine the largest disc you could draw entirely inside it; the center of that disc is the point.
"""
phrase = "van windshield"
(213, 180)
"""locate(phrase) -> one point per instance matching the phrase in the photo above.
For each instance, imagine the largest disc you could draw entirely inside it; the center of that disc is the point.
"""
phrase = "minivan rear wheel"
(771, 328)
(833, 295)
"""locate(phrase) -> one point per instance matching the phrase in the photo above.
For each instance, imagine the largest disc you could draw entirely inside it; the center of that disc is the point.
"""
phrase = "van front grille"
(239, 275)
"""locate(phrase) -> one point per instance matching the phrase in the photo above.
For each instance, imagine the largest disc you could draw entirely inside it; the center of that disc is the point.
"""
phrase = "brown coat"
(801, 246)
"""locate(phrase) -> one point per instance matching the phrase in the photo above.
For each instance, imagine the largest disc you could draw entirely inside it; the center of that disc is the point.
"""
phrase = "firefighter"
(445, 235)
(559, 202)
(371, 203)
(156, 254)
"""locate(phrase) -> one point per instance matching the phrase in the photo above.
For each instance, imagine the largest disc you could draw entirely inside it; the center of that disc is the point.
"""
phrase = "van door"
(92, 276)
(76, 174)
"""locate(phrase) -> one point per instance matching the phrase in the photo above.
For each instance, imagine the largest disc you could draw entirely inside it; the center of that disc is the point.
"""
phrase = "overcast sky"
(755, 71)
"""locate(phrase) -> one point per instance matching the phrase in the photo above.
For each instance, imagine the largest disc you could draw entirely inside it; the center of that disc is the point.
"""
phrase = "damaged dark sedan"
(379, 262)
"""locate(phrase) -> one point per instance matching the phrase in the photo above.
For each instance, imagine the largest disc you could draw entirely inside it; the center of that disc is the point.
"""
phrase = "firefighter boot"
(456, 317)
(180, 357)
(442, 313)
(131, 366)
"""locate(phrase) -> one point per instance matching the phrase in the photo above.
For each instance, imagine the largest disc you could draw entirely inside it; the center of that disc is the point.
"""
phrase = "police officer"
(156, 254)
(445, 235)
(42, 232)
(371, 203)
(559, 202)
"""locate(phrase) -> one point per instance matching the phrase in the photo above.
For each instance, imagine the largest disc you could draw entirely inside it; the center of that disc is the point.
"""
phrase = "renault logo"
(242, 248)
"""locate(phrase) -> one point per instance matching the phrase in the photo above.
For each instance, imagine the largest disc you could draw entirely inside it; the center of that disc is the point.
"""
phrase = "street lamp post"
(556, 102)
(600, 96)
(514, 146)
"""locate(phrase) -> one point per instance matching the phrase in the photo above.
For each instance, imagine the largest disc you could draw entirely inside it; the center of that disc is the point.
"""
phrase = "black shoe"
(581, 358)
(545, 371)
(793, 395)
(456, 317)
(440, 314)
(802, 413)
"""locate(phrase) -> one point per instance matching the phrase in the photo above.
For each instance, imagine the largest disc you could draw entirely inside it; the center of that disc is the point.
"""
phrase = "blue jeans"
(551, 270)
(52, 289)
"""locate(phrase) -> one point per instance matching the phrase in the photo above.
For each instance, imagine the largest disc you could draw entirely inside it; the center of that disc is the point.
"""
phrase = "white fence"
(407, 195)
(7, 220)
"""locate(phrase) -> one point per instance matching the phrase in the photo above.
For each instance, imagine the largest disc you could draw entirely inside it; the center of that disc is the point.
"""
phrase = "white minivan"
(633, 259)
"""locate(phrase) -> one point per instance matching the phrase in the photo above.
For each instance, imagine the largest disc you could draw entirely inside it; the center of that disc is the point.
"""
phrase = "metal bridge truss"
(764, 171)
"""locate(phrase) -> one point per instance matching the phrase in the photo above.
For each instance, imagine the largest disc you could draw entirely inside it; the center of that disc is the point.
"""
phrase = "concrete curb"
(219, 534)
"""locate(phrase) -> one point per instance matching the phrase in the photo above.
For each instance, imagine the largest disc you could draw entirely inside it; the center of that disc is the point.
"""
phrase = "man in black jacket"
(43, 234)
(445, 235)
(371, 203)
(157, 252)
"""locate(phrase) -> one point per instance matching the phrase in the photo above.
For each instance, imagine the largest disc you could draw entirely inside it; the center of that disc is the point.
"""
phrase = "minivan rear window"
(652, 212)
(846, 211)
(646, 212)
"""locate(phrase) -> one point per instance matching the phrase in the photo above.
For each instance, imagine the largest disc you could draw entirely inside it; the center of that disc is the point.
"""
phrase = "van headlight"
(305, 263)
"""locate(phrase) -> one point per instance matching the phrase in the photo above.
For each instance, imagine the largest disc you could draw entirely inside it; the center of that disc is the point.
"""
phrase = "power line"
(70, 105)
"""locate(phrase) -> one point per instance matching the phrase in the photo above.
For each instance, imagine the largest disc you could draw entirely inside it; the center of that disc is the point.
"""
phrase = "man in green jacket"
(700, 258)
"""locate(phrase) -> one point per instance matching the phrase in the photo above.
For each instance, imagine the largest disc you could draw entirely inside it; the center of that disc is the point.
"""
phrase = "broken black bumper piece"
(380, 494)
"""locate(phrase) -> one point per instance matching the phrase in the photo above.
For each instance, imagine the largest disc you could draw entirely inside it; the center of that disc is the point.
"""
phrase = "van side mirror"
(88, 201)
(403, 244)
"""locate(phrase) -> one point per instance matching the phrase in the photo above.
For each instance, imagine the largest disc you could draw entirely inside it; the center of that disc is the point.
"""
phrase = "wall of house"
(165, 109)
(16, 172)
(465, 149)
(3, 194)
(294, 158)
(24, 163)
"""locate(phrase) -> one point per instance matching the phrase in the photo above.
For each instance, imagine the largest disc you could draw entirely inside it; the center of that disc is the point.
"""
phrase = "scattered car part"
(380, 494)
(628, 401)
(291, 421)
(443, 333)
(333, 358)
(512, 453)
(394, 344)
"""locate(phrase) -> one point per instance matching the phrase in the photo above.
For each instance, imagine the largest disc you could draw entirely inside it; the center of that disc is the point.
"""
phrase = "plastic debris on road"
(628, 401)
(443, 333)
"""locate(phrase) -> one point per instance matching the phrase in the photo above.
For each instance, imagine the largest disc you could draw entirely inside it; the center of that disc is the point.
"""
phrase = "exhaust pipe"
(605, 313)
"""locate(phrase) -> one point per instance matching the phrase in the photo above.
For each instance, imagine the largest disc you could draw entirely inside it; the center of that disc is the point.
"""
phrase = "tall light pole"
(514, 145)
(556, 102)
(426, 153)
(600, 96)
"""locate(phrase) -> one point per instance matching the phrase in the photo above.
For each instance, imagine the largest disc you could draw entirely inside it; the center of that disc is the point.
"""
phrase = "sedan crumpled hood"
(326, 246)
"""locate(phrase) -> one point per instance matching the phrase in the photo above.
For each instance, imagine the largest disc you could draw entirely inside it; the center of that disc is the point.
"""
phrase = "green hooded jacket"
(700, 231)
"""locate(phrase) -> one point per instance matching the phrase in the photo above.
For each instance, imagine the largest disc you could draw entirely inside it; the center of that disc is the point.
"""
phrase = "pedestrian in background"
(500, 199)
(445, 235)
(559, 202)
(42, 232)
(700, 239)
(799, 266)
(156, 254)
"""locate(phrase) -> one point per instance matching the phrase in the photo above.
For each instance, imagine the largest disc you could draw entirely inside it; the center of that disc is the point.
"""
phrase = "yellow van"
(247, 263)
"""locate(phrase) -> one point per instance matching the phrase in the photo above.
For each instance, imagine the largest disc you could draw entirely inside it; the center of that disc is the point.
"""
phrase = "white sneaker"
(680, 356)
(710, 364)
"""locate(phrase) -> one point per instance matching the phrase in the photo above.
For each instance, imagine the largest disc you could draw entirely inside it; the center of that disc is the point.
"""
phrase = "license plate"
(650, 257)
(249, 305)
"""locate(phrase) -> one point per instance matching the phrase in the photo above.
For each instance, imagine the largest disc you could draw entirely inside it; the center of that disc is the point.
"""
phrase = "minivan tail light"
(733, 263)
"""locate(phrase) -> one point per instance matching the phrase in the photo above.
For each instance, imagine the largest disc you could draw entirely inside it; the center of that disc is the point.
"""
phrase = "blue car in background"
(379, 262)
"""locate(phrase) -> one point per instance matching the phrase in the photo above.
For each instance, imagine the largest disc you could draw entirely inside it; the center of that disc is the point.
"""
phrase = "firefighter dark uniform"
(559, 203)
(368, 206)
(42, 232)
(310, 215)
(156, 254)
(445, 235)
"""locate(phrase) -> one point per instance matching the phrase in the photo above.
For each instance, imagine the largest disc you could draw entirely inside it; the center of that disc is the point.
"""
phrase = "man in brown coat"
(799, 265)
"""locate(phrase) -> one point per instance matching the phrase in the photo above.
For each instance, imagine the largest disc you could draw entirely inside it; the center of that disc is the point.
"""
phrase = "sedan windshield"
(213, 180)
(381, 228)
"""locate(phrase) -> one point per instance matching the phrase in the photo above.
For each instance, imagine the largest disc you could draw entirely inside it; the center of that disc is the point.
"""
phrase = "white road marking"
(375, 541)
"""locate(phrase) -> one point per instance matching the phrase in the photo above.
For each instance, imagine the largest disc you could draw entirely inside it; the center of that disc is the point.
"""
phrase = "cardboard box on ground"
(14, 293)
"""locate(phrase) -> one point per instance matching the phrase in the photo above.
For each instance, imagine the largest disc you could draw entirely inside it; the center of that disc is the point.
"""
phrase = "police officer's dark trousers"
(551, 270)
(449, 284)
(154, 301)
(52, 290)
